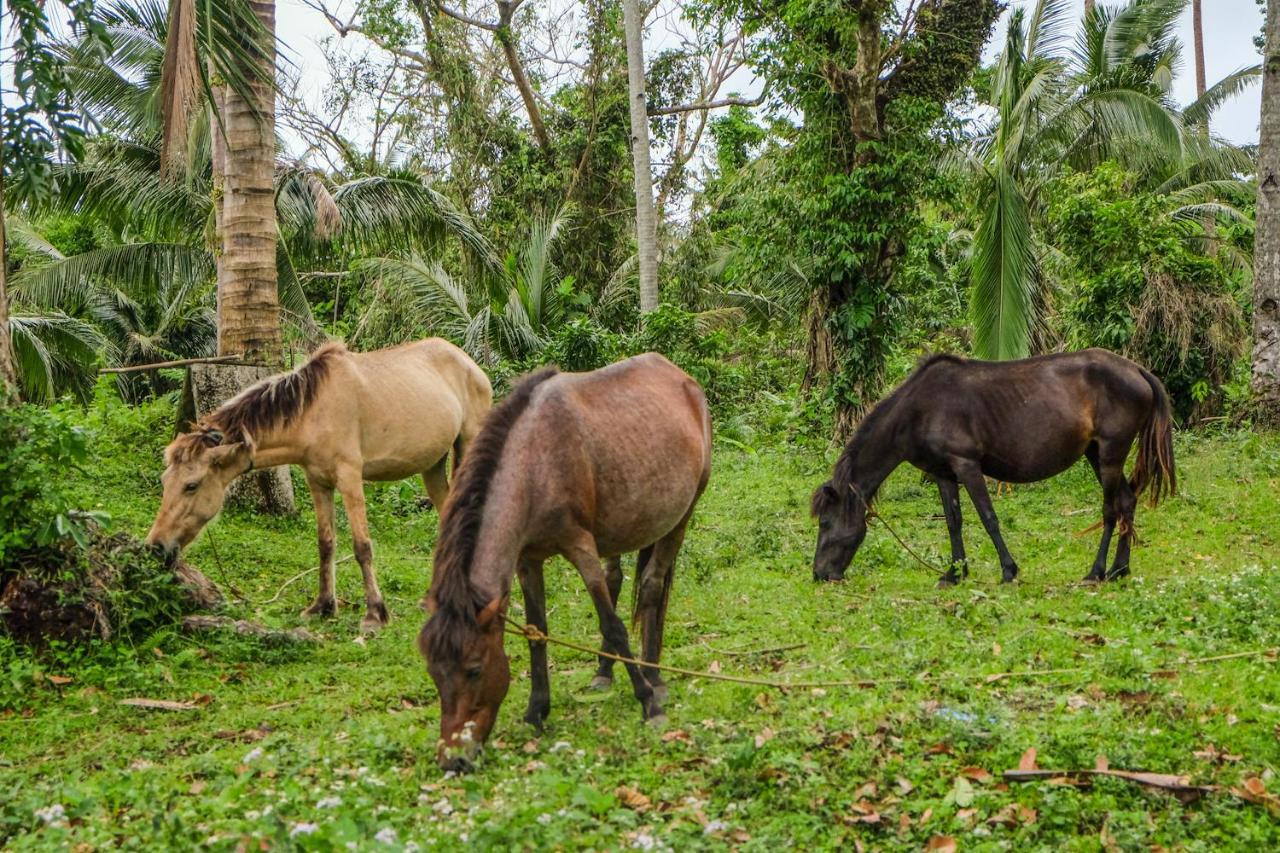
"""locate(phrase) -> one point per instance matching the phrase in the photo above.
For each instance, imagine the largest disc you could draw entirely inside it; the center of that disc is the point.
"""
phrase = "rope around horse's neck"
(536, 635)
(871, 513)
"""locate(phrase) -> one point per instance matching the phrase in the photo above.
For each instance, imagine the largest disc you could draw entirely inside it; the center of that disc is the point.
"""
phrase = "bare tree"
(1266, 250)
(646, 220)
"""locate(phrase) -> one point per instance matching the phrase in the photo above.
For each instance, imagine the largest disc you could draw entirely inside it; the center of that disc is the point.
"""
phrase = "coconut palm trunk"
(248, 305)
(1197, 27)
(646, 221)
(8, 376)
(1266, 250)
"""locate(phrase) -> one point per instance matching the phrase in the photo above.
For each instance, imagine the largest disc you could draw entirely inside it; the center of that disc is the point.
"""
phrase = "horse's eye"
(474, 672)
(190, 487)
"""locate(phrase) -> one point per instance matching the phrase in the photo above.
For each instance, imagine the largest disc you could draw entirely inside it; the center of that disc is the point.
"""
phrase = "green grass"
(340, 735)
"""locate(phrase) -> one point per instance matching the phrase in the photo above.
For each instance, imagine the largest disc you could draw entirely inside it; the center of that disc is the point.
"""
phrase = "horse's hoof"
(536, 720)
(657, 721)
(1117, 574)
(371, 625)
(946, 582)
(660, 693)
(321, 607)
(601, 683)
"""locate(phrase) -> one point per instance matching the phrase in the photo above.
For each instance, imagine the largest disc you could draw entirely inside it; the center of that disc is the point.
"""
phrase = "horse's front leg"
(326, 604)
(535, 608)
(949, 491)
(586, 559)
(375, 613)
(970, 474)
(603, 679)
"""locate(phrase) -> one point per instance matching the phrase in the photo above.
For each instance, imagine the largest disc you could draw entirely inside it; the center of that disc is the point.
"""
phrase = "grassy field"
(319, 745)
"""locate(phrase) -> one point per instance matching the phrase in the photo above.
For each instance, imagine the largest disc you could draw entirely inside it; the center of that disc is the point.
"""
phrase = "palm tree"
(1107, 98)
(504, 311)
(1266, 282)
(151, 293)
(1197, 26)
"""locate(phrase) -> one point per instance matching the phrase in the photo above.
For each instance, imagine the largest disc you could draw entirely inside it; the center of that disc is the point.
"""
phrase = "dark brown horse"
(586, 465)
(1015, 421)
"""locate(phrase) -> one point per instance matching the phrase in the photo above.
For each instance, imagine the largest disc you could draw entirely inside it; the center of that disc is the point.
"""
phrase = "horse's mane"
(842, 477)
(455, 601)
(260, 408)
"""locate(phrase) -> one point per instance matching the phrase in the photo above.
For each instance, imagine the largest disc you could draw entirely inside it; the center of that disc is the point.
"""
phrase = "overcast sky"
(1230, 26)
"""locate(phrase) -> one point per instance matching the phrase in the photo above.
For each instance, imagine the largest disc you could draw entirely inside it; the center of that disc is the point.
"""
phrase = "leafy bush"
(38, 448)
(1138, 288)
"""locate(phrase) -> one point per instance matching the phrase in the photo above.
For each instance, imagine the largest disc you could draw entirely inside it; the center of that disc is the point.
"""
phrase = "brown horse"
(345, 418)
(1016, 421)
(586, 465)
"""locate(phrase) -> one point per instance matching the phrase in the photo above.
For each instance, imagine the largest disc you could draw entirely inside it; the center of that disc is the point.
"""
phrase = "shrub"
(38, 447)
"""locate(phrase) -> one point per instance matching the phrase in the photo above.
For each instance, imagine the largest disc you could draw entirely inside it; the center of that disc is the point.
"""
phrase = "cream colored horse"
(345, 418)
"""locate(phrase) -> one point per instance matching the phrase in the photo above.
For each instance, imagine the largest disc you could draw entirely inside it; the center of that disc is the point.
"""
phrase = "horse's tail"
(643, 562)
(1155, 467)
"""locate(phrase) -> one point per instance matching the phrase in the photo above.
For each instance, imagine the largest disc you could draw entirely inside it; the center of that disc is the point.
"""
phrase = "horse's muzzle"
(457, 764)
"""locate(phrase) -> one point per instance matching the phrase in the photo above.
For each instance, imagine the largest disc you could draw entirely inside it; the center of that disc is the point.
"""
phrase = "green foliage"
(39, 449)
(44, 119)
(1139, 288)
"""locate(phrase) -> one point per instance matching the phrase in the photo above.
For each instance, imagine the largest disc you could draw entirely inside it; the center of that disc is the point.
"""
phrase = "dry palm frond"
(179, 84)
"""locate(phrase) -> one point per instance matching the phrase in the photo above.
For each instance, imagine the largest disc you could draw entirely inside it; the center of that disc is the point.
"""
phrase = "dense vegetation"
(1025, 184)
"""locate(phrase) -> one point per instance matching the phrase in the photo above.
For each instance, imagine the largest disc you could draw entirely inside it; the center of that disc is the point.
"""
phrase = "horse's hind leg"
(375, 614)
(949, 491)
(437, 482)
(535, 608)
(653, 591)
(1126, 503)
(586, 560)
(1108, 482)
(603, 679)
(971, 475)
(322, 496)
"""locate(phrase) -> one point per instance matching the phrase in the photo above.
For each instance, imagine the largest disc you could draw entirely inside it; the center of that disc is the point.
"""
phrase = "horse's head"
(198, 468)
(842, 525)
(471, 671)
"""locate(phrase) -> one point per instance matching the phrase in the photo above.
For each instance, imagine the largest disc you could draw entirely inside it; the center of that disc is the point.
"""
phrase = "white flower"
(644, 841)
(411, 847)
(714, 826)
(386, 835)
(52, 814)
(443, 806)
(561, 745)
(252, 755)
(544, 818)
(302, 829)
(329, 803)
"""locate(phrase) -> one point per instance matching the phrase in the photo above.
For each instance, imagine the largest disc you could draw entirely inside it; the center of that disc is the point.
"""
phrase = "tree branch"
(709, 105)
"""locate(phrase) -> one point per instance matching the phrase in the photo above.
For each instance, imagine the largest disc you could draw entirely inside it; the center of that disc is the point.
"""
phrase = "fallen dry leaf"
(976, 774)
(1028, 760)
(904, 785)
(766, 735)
(633, 799)
(941, 844)
(940, 749)
(60, 680)
(676, 734)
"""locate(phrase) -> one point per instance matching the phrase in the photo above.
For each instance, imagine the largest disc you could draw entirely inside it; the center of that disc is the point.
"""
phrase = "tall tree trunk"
(1266, 249)
(646, 221)
(248, 303)
(1197, 26)
(8, 375)
(245, 234)
(507, 38)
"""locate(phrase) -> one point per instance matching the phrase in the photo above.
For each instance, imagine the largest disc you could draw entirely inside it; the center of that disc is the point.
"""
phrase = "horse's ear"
(229, 454)
(824, 498)
(491, 610)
